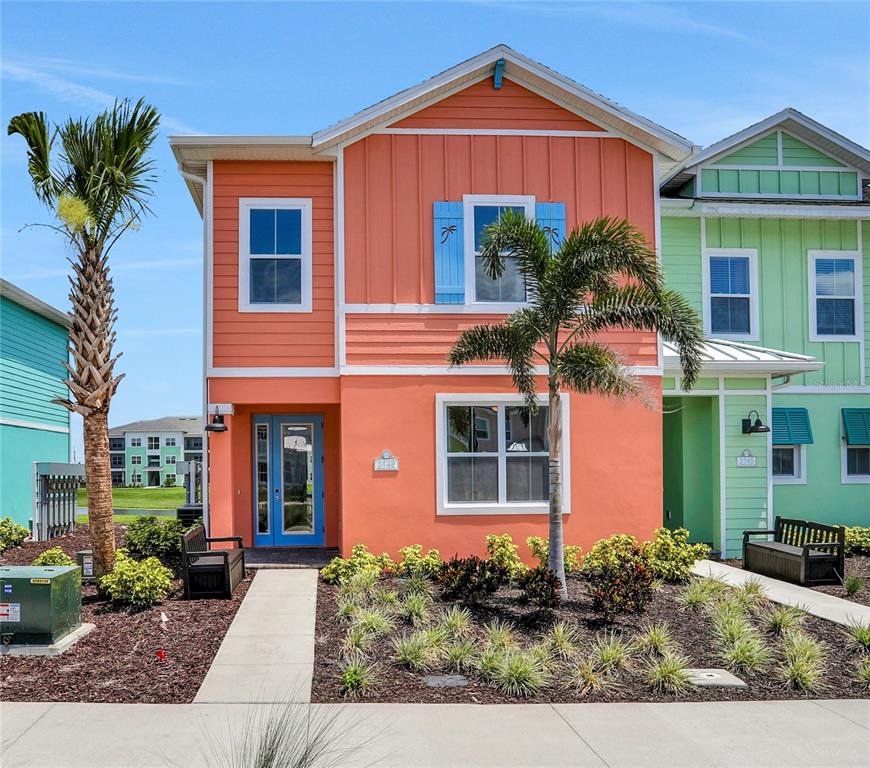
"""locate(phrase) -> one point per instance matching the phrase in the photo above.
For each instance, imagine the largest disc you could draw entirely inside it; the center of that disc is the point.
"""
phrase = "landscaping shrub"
(470, 580)
(359, 585)
(540, 587)
(619, 576)
(152, 536)
(374, 621)
(586, 677)
(862, 673)
(853, 584)
(520, 674)
(488, 662)
(500, 635)
(655, 639)
(611, 652)
(415, 652)
(360, 560)
(415, 563)
(456, 621)
(417, 584)
(859, 634)
(357, 640)
(414, 608)
(53, 556)
(461, 656)
(505, 555)
(779, 619)
(668, 673)
(11, 534)
(803, 665)
(672, 556)
(561, 640)
(701, 592)
(540, 548)
(137, 583)
(858, 540)
(357, 675)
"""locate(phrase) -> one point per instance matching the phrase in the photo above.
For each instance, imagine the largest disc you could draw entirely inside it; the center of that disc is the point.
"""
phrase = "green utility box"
(39, 605)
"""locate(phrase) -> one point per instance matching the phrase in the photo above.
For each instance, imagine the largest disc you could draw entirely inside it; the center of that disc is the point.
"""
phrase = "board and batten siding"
(783, 273)
(272, 339)
(32, 351)
(865, 247)
(483, 106)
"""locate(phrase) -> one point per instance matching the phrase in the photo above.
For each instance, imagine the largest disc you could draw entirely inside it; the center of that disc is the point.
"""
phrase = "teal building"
(766, 233)
(33, 348)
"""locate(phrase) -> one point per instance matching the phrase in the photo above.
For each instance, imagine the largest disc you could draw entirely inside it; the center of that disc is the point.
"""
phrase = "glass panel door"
(288, 480)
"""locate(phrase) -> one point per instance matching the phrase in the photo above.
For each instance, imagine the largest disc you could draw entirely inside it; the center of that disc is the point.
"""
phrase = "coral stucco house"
(341, 266)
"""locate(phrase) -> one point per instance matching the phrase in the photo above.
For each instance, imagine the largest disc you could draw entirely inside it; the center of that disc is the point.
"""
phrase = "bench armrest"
(755, 532)
(206, 553)
(238, 539)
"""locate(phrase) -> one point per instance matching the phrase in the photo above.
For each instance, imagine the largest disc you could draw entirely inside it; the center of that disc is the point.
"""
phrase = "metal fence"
(54, 510)
(192, 471)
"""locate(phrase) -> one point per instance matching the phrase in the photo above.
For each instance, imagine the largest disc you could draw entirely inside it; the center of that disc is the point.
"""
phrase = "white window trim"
(169, 444)
(136, 461)
(170, 459)
(135, 442)
(443, 507)
(801, 477)
(468, 204)
(847, 479)
(754, 290)
(812, 257)
(246, 204)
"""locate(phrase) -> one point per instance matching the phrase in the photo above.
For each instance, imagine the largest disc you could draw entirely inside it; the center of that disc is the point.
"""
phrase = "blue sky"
(702, 69)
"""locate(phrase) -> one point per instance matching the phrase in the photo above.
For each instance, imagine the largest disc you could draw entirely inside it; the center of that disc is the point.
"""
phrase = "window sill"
(287, 308)
(732, 336)
(496, 307)
(820, 338)
(789, 481)
(495, 509)
(855, 480)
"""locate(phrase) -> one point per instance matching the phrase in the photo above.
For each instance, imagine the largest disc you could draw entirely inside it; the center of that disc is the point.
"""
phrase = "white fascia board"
(783, 368)
(796, 210)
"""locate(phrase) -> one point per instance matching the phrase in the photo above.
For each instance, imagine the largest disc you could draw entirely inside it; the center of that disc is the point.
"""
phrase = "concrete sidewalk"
(268, 650)
(797, 734)
(819, 604)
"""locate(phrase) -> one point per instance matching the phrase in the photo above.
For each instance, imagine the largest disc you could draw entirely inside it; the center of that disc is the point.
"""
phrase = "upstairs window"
(733, 301)
(275, 255)
(135, 442)
(479, 212)
(154, 443)
(170, 442)
(834, 299)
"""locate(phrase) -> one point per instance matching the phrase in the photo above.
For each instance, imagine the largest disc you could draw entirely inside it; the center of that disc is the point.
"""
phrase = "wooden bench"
(210, 572)
(801, 552)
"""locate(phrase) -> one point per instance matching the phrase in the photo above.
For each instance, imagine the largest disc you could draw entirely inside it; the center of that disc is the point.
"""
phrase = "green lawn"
(140, 498)
(120, 519)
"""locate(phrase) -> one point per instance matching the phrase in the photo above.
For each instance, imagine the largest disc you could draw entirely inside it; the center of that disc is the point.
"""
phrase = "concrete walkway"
(268, 652)
(818, 604)
(797, 734)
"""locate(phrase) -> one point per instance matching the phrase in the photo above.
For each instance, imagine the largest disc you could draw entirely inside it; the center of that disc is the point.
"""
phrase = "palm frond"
(515, 236)
(33, 127)
(590, 367)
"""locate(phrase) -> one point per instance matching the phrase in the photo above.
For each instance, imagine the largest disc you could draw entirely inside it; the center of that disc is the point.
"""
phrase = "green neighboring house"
(147, 452)
(767, 234)
(33, 348)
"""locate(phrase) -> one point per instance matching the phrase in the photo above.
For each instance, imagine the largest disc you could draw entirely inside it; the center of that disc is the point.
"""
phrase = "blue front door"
(288, 481)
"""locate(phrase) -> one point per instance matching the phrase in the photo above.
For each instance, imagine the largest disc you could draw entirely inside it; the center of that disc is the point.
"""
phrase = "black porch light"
(751, 428)
(217, 422)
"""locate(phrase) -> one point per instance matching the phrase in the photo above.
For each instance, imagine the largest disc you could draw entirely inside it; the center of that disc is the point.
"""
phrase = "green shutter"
(791, 426)
(449, 253)
(857, 424)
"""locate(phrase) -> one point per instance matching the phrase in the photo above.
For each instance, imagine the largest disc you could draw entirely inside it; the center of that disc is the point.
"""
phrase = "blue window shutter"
(449, 253)
(857, 423)
(551, 216)
(791, 426)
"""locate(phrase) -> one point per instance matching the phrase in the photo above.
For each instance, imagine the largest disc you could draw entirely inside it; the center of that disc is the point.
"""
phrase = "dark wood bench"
(210, 572)
(801, 552)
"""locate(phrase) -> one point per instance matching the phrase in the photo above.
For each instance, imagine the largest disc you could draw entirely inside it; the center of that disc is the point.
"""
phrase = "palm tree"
(599, 277)
(98, 188)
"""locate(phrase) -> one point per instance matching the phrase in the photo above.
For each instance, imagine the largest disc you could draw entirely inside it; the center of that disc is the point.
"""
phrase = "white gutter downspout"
(205, 183)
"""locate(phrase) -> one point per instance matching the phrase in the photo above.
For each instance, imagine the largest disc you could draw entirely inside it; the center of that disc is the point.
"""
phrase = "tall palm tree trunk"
(98, 475)
(556, 556)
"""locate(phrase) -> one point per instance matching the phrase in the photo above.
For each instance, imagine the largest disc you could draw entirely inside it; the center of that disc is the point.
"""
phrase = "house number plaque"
(386, 462)
(746, 459)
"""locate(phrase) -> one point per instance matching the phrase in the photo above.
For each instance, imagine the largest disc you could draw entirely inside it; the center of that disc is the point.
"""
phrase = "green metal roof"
(857, 424)
(791, 426)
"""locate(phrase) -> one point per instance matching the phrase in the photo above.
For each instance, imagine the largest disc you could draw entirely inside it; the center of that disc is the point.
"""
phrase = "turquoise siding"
(681, 258)
(760, 152)
(32, 351)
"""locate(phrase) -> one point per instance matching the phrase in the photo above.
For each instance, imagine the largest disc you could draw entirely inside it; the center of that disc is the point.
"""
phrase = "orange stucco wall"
(615, 468)
(483, 106)
(272, 339)
(391, 182)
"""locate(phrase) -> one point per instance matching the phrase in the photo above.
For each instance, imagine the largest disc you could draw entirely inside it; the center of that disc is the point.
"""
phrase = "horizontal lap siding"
(511, 106)
(263, 339)
(392, 180)
(390, 339)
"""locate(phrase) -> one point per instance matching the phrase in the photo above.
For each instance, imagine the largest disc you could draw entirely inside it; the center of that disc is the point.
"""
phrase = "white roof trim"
(595, 105)
(850, 152)
(756, 209)
(19, 296)
(723, 356)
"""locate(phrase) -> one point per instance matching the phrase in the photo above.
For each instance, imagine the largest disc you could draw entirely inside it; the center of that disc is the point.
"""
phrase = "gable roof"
(524, 71)
(193, 152)
(190, 425)
(789, 119)
(23, 298)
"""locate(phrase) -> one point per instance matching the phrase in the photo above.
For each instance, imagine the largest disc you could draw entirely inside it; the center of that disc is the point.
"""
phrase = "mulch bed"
(858, 565)
(118, 662)
(691, 630)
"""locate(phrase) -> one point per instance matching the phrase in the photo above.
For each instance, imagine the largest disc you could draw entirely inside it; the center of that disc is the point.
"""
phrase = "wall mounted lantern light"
(751, 427)
(217, 422)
